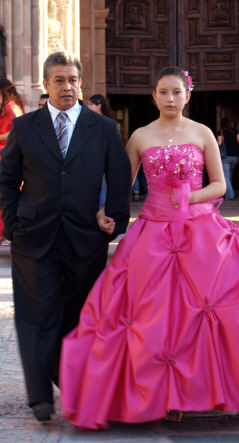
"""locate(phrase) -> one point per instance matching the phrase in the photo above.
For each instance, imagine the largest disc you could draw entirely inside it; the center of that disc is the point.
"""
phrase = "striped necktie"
(61, 132)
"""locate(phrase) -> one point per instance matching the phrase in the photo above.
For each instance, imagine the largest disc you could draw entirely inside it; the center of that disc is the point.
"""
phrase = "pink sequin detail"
(173, 165)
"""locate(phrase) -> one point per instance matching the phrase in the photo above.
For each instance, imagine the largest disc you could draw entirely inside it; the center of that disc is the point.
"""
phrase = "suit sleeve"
(10, 181)
(119, 182)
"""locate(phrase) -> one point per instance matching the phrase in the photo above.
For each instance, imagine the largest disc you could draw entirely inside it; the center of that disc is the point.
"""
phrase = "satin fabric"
(160, 328)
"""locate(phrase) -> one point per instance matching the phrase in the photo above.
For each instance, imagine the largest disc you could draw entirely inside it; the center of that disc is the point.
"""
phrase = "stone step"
(5, 258)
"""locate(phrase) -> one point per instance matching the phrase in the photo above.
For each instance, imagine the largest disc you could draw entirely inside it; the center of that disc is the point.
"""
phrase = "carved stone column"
(100, 15)
(6, 20)
(18, 44)
(64, 14)
(92, 37)
(36, 50)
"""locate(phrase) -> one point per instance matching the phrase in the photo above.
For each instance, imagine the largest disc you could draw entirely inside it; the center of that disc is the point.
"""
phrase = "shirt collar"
(72, 113)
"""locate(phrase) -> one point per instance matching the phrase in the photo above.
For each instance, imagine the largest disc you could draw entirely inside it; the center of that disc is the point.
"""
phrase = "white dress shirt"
(72, 116)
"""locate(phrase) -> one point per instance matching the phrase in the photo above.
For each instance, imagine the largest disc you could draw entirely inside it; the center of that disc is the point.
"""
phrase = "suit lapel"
(84, 128)
(45, 129)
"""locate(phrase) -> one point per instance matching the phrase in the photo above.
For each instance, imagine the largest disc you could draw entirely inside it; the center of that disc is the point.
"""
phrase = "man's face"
(63, 86)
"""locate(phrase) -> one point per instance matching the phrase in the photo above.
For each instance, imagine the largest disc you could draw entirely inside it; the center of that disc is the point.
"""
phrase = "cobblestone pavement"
(17, 424)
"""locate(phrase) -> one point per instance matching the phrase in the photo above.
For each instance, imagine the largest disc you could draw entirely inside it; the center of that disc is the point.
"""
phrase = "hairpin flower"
(190, 84)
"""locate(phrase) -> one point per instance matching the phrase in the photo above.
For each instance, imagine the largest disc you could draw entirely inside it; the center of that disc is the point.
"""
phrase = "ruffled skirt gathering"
(160, 328)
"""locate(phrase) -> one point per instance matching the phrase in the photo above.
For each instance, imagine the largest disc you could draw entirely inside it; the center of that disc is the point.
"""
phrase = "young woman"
(159, 332)
(11, 106)
(98, 104)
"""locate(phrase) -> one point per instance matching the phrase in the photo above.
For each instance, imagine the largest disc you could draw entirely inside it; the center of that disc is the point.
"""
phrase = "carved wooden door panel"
(140, 39)
(208, 42)
(144, 35)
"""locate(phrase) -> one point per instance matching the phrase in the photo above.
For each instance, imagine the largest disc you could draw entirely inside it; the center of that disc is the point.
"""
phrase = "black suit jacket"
(62, 191)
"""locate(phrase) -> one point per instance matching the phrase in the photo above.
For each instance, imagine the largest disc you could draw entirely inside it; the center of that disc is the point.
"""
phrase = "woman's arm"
(132, 149)
(217, 184)
(4, 136)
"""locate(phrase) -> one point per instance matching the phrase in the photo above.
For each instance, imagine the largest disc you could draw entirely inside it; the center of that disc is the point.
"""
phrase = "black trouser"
(48, 295)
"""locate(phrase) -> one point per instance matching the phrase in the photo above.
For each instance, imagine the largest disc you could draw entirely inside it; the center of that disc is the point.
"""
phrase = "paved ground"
(17, 424)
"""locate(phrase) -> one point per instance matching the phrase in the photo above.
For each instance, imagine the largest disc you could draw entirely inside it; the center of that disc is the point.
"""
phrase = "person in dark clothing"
(231, 140)
(59, 241)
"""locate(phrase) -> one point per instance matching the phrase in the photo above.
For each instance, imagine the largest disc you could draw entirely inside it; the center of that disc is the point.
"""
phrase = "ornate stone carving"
(55, 39)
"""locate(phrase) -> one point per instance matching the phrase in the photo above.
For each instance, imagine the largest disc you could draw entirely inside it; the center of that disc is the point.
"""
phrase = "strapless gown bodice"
(160, 327)
(173, 166)
(172, 172)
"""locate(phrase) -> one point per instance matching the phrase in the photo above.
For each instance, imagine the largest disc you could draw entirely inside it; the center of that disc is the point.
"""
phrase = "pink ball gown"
(160, 328)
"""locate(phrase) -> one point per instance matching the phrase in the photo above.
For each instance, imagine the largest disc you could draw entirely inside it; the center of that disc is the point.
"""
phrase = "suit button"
(63, 172)
(62, 191)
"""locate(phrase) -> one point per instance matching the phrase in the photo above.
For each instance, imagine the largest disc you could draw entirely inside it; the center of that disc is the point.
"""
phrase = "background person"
(42, 100)
(98, 103)
(11, 106)
(230, 138)
(61, 151)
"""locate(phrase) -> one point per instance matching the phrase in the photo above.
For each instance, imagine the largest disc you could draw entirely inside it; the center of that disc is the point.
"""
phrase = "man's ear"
(45, 85)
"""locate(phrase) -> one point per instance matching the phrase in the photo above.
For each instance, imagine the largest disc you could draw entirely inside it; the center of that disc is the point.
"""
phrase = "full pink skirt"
(160, 328)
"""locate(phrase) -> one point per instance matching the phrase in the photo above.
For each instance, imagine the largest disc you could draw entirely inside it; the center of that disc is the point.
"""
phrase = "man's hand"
(106, 224)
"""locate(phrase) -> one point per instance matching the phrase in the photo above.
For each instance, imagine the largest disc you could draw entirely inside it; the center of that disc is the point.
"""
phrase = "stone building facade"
(122, 44)
(35, 28)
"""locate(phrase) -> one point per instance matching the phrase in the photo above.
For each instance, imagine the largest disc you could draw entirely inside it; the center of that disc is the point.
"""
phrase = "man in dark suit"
(59, 239)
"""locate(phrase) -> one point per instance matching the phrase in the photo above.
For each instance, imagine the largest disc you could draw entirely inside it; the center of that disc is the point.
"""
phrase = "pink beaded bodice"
(174, 165)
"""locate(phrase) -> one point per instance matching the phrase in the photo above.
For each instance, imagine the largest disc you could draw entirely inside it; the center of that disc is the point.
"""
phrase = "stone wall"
(36, 28)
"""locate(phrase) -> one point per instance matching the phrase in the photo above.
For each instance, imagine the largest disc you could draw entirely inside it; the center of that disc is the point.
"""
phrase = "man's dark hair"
(44, 96)
(60, 58)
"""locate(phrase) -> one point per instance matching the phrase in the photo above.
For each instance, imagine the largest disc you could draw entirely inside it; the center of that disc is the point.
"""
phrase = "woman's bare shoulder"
(138, 136)
(200, 127)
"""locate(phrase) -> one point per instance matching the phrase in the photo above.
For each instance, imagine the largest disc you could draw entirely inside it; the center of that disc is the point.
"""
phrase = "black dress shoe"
(43, 411)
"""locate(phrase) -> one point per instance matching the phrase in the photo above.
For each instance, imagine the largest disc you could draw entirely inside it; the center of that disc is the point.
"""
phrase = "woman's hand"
(106, 224)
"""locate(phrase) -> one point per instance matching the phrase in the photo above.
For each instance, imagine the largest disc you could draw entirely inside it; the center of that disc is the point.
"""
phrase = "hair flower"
(190, 84)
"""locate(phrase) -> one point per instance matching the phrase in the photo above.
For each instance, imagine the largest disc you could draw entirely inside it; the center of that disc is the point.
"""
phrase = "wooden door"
(140, 39)
(208, 42)
(199, 35)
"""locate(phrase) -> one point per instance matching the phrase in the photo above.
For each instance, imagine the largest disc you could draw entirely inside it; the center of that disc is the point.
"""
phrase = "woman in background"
(11, 106)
